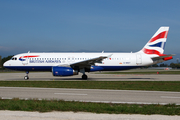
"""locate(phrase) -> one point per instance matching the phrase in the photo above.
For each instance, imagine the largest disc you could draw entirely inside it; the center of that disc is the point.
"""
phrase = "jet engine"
(63, 71)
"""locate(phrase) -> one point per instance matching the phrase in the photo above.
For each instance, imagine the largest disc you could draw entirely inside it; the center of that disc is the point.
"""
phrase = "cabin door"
(138, 59)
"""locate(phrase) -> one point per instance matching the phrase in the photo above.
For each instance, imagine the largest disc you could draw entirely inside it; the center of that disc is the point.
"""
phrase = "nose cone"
(6, 64)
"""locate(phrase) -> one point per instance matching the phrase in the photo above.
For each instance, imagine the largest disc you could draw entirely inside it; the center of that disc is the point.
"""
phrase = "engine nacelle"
(63, 71)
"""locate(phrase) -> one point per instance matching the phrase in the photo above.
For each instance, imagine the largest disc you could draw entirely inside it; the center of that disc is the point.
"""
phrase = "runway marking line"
(9, 98)
(170, 97)
(103, 90)
(69, 94)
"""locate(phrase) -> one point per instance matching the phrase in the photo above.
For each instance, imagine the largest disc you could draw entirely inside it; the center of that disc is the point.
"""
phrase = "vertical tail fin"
(156, 44)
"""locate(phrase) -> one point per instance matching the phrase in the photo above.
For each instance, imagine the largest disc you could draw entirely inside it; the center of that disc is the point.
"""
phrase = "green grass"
(115, 85)
(59, 105)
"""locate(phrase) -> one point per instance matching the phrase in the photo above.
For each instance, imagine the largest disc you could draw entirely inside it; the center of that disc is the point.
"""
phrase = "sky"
(86, 25)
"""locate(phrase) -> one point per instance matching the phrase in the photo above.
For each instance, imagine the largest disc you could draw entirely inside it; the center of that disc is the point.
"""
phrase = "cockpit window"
(13, 58)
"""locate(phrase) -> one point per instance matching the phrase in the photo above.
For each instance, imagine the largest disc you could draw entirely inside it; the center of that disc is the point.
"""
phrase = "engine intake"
(63, 71)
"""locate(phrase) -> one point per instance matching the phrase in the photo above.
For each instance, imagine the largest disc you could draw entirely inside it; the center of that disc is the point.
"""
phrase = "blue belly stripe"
(49, 68)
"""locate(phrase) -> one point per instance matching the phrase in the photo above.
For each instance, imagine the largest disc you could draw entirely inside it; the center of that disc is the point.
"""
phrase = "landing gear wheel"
(84, 77)
(26, 77)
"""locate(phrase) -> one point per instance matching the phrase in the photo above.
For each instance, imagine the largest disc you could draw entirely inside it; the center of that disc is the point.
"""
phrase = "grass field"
(115, 85)
(59, 105)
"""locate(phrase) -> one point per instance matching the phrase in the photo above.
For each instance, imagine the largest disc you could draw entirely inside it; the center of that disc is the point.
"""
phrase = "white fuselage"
(45, 61)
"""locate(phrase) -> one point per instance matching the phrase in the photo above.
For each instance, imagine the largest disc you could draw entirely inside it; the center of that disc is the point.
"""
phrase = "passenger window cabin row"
(14, 58)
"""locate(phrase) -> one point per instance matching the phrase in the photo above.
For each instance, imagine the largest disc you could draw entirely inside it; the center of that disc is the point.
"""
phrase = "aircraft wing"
(89, 62)
(164, 57)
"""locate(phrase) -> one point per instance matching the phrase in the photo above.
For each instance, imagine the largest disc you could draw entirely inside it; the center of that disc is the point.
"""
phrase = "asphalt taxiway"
(47, 76)
(92, 95)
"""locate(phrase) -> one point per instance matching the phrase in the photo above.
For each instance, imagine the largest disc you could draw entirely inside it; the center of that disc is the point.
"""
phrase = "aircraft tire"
(26, 77)
(84, 77)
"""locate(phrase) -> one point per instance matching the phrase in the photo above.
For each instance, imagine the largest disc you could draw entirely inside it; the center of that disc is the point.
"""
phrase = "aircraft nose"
(6, 64)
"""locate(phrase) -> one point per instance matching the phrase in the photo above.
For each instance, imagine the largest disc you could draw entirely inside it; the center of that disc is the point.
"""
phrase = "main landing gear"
(84, 77)
(26, 77)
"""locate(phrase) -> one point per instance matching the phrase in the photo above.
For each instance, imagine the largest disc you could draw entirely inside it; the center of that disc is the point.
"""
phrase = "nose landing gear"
(26, 77)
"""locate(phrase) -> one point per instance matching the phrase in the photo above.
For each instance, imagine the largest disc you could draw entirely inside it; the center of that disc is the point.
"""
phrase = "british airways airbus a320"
(68, 64)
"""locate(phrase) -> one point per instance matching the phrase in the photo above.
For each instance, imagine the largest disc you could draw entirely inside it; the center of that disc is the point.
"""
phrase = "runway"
(47, 76)
(92, 95)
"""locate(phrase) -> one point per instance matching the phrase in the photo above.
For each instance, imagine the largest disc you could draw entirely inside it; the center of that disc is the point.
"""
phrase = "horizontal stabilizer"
(163, 57)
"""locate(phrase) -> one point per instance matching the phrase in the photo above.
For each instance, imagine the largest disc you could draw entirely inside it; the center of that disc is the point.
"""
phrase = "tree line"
(173, 65)
(3, 60)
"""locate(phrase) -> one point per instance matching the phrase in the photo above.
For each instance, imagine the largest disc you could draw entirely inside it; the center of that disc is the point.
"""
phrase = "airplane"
(68, 64)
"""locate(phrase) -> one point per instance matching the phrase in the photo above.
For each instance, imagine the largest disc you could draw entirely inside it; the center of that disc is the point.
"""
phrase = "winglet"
(109, 56)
